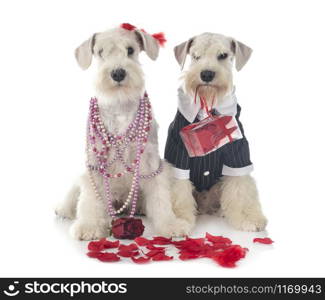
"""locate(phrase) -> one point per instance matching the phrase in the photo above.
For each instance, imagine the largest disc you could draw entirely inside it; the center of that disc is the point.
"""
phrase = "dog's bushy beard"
(207, 95)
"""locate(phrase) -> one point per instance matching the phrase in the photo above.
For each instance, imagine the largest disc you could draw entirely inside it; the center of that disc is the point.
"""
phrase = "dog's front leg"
(158, 203)
(240, 204)
(92, 221)
(184, 204)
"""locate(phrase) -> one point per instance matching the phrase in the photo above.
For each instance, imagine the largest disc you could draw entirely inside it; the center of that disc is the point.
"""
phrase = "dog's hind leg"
(67, 208)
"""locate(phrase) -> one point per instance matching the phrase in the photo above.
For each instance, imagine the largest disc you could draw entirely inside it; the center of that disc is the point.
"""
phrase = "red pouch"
(210, 134)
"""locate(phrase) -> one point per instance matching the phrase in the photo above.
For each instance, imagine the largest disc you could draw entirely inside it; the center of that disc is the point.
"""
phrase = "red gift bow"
(221, 130)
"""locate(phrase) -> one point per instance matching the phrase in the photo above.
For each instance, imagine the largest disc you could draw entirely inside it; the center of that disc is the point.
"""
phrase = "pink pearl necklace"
(99, 144)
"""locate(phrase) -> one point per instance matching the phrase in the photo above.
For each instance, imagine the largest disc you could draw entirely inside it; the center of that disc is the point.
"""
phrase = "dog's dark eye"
(100, 52)
(130, 51)
(196, 57)
(222, 56)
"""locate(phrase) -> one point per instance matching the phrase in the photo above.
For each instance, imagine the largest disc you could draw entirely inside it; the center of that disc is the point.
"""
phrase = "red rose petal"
(194, 246)
(187, 256)
(179, 244)
(219, 246)
(228, 257)
(141, 241)
(211, 253)
(95, 246)
(130, 247)
(161, 256)
(94, 254)
(197, 241)
(160, 240)
(102, 244)
(265, 240)
(108, 257)
(109, 245)
(153, 253)
(104, 256)
(217, 239)
(125, 253)
(141, 260)
(152, 247)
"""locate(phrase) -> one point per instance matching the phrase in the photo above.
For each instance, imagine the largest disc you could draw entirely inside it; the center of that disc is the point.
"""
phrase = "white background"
(44, 102)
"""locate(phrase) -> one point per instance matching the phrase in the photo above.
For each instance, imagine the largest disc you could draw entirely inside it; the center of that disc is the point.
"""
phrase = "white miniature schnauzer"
(221, 178)
(119, 89)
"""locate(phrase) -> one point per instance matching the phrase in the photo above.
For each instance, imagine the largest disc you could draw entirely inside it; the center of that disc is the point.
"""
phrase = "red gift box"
(208, 135)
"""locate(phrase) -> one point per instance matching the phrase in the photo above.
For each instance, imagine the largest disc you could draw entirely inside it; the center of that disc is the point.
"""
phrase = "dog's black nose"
(118, 75)
(207, 75)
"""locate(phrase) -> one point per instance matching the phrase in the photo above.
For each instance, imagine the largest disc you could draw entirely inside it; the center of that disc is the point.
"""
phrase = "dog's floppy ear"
(84, 52)
(148, 43)
(242, 53)
(181, 52)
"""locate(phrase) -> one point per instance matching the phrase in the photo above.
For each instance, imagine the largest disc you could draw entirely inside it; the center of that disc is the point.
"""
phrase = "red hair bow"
(160, 37)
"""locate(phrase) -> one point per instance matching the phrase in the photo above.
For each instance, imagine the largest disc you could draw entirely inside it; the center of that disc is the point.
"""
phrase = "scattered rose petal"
(217, 239)
(94, 254)
(229, 256)
(265, 240)
(109, 245)
(219, 246)
(140, 260)
(197, 241)
(194, 246)
(141, 241)
(95, 246)
(179, 244)
(108, 257)
(153, 253)
(161, 256)
(104, 256)
(160, 240)
(125, 253)
(187, 256)
(130, 247)
(102, 244)
(210, 253)
(152, 247)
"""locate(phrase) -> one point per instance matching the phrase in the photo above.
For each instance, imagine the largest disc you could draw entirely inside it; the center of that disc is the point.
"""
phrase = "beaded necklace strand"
(100, 142)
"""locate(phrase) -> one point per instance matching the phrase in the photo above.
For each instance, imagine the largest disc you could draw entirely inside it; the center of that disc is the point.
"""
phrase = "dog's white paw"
(65, 212)
(86, 232)
(174, 228)
(252, 222)
(189, 217)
